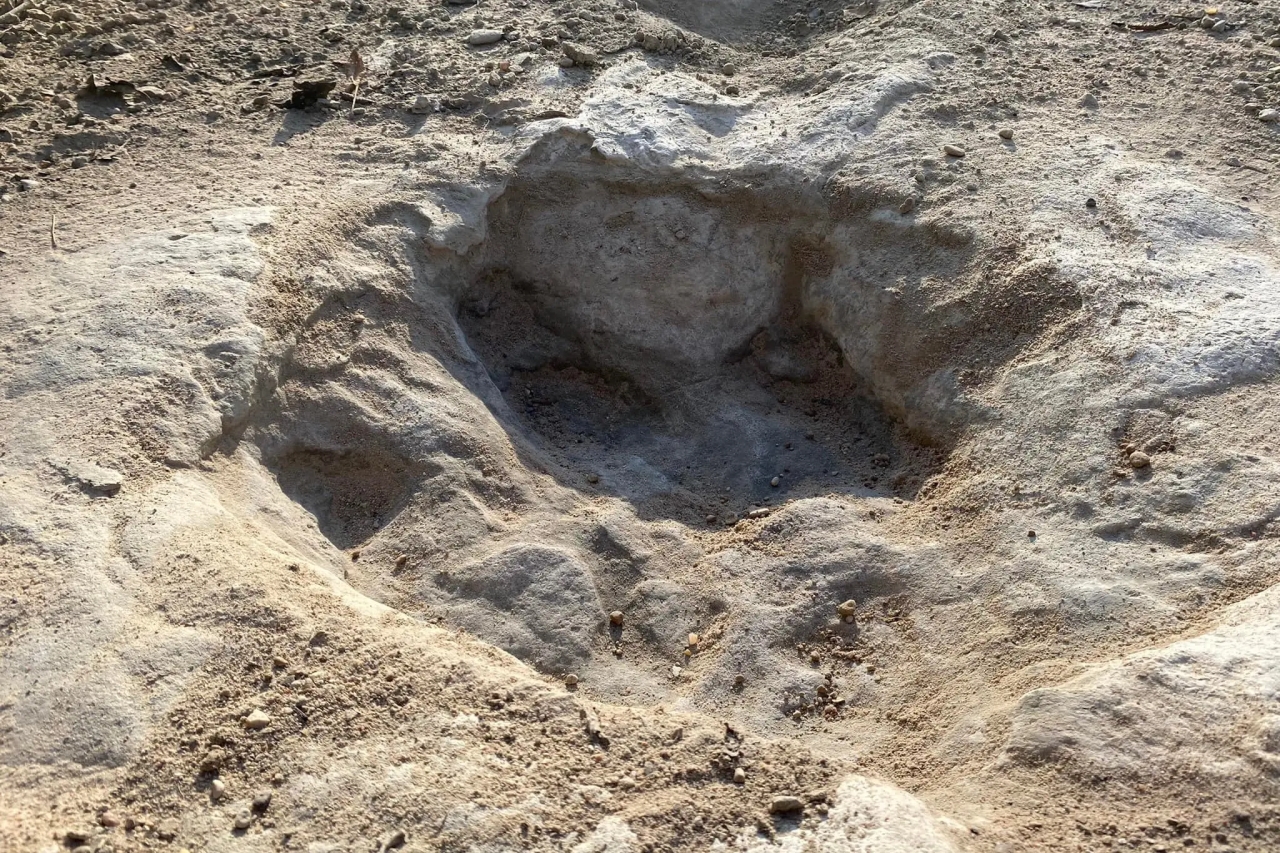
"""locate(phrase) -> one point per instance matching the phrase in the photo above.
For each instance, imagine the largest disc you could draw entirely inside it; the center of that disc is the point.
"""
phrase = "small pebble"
(739, 680)
(1005, 133)
(739, 775)
(258, 719)
(243, 819)
(953, 150)
(217, 790)
(261, 802)
(1269, 115)
(775, 482)
(675, 671)
(1089, 101)
(1091, 203)
(694, 639)
(1138, 459)
(907, 206)
(729, 69)
(847, 608)
(616, 617)
(570, 680)
(482, 37)
(402, 561)
(1220, 27)
(785, 803)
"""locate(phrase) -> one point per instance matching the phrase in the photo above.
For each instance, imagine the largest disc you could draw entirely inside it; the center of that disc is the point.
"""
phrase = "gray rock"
(580, 54)
(785, 804)
(536, 602)
(90, 477)
(483, 37)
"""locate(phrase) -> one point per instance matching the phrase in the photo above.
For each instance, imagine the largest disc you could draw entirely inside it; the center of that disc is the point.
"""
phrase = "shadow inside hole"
(783, 418)
(353, 493)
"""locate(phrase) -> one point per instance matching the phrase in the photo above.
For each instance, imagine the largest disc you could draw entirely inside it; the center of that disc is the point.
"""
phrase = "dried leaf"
(355, 66)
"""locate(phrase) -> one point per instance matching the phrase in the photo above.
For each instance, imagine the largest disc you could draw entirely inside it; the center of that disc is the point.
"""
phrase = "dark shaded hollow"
(353, 493)
(579, 290)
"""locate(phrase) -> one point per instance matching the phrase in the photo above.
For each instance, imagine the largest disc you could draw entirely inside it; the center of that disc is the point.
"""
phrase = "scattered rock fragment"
(75, 837)
(1089, 101)
(617, 617)
(257, 719)
(739, 775)
(1005, 133)
(1269, 115)
(953, 150)
(213, 760)
(1138, 459)
(580, 54)
(847, 609)
(786, 804)
(423, 105)
(483, 37)
(243, 820)
(570, 680)
(775, 482)
(907, 206)
(91, 478)
(261, 802)
(217, 790)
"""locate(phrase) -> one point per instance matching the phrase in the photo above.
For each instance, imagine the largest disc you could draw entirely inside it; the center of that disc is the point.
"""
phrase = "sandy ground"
(356, 374)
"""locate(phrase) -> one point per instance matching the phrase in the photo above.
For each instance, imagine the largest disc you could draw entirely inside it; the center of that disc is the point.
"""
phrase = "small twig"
(15, 14)
(53, 240)
(355, 69)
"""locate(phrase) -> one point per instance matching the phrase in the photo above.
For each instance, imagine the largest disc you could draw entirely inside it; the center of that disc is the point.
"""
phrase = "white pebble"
(479, 37)
(258, 719)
